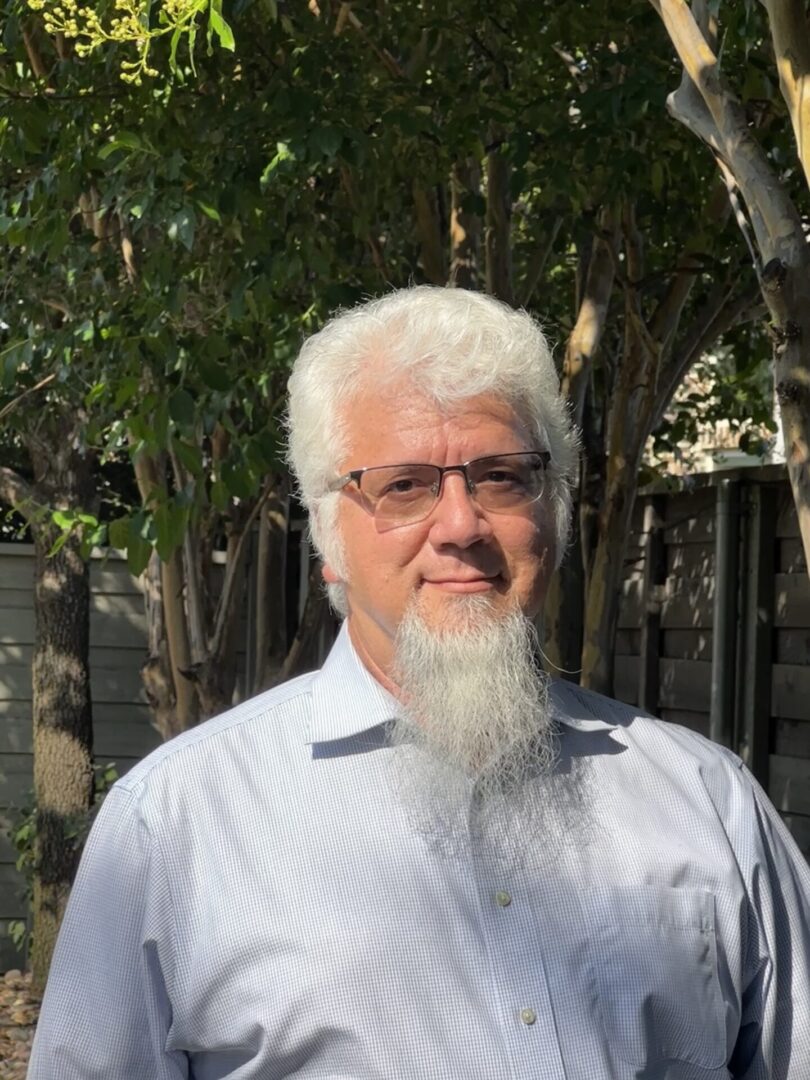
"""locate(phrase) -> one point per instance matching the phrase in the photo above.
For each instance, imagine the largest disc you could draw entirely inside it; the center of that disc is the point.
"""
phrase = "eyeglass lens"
(404, 494)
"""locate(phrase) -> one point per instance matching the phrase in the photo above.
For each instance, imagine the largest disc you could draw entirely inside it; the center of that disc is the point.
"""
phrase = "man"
(424, 860)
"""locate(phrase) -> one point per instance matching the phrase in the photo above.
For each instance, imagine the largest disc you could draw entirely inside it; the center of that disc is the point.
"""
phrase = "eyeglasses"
(406, 494)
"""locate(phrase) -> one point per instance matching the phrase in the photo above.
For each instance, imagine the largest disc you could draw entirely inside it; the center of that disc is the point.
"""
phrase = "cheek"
(383, 557)
(532, 552)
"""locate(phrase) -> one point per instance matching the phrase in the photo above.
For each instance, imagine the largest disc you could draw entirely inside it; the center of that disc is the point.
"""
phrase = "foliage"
(130, 22)
(22, 832)
(170, 241)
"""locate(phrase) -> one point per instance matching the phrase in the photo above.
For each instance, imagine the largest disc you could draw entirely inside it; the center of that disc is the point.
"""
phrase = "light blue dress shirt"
(260, 899)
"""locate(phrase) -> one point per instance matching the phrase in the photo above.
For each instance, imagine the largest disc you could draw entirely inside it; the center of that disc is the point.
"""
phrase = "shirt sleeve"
(106, 1010)
(774, 1039)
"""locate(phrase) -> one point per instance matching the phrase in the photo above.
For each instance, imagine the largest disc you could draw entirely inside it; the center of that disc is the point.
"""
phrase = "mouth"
(466, 583)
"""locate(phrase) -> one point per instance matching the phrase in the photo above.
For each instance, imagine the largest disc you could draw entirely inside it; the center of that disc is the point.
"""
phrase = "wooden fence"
(715, 625)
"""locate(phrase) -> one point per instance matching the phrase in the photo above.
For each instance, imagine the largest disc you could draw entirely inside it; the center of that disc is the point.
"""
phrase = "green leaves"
(126, 140)
(182, 408)
(182, 226)
(217, 27)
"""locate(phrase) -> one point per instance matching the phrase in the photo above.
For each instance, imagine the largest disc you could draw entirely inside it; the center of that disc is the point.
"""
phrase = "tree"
(61, 484)
(765, 190)
(474, 108)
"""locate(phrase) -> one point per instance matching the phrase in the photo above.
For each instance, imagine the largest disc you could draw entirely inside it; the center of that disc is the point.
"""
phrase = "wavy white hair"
(453, 344)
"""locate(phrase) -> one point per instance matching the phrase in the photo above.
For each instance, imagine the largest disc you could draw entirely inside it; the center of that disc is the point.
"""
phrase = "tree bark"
(271, 578)
(563, 623)
(63, 734)
(498, 234)
(465, 226)
(60, 674)
(428, 228)
(705, 104)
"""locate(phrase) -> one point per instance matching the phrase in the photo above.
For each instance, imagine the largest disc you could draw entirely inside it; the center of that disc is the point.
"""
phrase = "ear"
(329, 575)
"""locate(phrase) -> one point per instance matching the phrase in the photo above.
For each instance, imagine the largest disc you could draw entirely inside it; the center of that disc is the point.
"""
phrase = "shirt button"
(528, 1016)
(503, 899)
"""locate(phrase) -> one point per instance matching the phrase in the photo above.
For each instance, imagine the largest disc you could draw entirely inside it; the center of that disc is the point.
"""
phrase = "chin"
(459, 612)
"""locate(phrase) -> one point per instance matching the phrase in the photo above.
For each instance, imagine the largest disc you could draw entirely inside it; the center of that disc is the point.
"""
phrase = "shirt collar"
(348, 700)
(346, 697)
(581, 709)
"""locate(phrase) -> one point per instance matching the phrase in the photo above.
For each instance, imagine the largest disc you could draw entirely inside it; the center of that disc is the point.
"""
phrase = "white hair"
(453, 344)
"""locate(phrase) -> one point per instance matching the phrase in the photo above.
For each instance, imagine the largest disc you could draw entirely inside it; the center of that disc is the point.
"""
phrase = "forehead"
(399, 423)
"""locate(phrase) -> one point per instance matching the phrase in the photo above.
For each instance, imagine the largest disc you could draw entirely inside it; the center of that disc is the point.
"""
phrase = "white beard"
(475, 700)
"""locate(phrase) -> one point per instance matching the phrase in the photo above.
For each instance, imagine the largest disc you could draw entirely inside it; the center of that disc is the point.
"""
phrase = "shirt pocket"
(654, 965)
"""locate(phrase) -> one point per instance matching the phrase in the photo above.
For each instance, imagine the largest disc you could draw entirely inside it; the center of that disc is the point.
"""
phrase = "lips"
(463, 583)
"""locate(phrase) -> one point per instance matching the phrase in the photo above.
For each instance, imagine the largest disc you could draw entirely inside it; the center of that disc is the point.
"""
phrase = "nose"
(457, 519)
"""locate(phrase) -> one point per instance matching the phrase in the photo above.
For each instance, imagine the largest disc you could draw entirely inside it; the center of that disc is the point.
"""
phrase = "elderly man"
(426, 860)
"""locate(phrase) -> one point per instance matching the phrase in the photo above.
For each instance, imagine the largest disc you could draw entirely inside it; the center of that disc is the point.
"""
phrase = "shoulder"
(271, 718)
(638, 730)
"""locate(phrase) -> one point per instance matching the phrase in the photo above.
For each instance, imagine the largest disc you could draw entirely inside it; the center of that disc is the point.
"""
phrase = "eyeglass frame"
(356, 475)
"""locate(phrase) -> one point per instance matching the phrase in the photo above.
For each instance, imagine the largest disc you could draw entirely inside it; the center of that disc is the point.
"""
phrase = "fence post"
(757, 644)
(655, 575)
(724, 632)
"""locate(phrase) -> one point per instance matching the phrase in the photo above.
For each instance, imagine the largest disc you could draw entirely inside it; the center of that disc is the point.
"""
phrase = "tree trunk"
(61, 704)
(786, 290)
(566, 596)
(465, 225)
(706, 104)
(605, 578)
(429, 231)
(63, 734)
(562, 623)
(627, 426)
(271, 579)
(316, 619)
(499, 227)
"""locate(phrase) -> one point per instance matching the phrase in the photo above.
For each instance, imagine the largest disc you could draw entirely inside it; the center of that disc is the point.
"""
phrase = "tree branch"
(667, 315)
(586, 335)
(465, 227)
(791, 45)
(718, 314)
(537, 264)
(233, 570)
(775, 220)
(430, 234)
(12, 405)
(34, 59)
(498, 228)
(17, 492)
(195, 607)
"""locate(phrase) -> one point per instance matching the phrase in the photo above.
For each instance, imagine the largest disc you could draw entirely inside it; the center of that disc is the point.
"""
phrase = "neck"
(380, 671)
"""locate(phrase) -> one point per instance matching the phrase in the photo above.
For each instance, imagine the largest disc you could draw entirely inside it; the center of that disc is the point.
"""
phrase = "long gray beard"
(475, 700)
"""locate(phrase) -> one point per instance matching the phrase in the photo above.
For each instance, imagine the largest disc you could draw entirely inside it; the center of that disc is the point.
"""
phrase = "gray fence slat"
(625, 679)
(792, 601)
(687, 644)
(690, 560)
(791, 556)
(12, 892)
(799, 827)
(790, 784)
(792, 646)
(10, 957)
(686, 684)
(790, 691)
(695, 721)
(791, 738)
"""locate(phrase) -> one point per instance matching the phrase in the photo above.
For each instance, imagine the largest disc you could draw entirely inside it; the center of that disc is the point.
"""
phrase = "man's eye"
(404, 485)
(501, 476)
